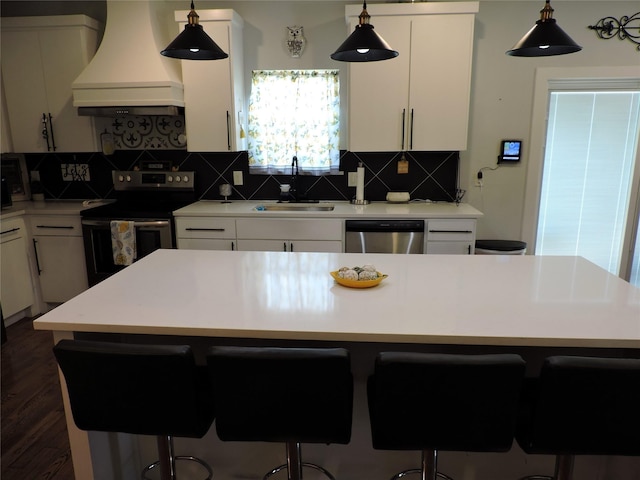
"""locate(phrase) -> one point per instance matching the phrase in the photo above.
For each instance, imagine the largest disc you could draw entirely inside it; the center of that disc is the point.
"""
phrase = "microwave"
(15, 180)
(6, 193)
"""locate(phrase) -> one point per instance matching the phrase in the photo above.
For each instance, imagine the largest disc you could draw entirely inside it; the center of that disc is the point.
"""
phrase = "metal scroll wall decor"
(610, 27)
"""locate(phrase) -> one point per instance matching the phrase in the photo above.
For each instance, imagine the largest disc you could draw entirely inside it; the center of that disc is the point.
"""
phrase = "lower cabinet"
(206, 233)
(451, 236)
(443, 236)
(16, 289)
(59, 255)
(289, 235)
(259, 234)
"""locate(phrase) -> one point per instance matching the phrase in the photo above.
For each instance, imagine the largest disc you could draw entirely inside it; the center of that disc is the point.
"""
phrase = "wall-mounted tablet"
(510, 151)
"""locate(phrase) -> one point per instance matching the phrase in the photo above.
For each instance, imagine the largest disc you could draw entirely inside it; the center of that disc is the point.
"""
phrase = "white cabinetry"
(206, 233)
(59, 255)
(41, 57)
(16, 290)
(290, 235)
(451, 236)
(5, 131)
(420, 99)
(214, 90)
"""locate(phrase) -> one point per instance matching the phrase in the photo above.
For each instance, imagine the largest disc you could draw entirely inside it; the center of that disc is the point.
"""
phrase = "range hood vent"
(128, 70)
(125, 111)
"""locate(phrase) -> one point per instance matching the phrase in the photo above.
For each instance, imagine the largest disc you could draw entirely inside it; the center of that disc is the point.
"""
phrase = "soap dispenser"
(284, 192)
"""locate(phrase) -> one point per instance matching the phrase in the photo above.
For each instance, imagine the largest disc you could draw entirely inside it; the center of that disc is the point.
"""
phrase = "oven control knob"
(177, 178)
(121, 178)
(128, 178)
(185, 179)
(169, 178)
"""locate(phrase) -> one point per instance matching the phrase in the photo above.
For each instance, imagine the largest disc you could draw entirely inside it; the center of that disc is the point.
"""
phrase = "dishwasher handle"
(384, 225)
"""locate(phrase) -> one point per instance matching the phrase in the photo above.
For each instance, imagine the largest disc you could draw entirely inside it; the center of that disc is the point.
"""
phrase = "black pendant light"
(364, 45)
(193, 43)
(546, 38)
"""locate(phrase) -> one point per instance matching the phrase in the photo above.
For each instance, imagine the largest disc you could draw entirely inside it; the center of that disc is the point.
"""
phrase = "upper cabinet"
(420, 99)
(214, 89)
(41, 57)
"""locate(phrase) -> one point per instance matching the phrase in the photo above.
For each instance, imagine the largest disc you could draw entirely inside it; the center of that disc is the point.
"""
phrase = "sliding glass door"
(589, 198)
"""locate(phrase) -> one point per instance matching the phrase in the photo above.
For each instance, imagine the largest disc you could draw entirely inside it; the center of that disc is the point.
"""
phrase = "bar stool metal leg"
(167, 461)
(563, 470)
(564, 467)
(294, 465)
(428, 470)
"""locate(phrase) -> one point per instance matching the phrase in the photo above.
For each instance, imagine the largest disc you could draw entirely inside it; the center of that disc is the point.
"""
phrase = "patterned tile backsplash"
(432, 175)
(132, 132)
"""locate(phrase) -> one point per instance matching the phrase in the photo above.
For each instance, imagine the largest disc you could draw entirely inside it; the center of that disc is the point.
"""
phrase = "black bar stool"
(435, 402)
(289, 395)
(581, 406)
(138, 389)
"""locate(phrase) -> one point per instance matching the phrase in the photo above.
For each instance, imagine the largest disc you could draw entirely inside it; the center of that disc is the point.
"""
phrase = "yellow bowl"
(358, 283)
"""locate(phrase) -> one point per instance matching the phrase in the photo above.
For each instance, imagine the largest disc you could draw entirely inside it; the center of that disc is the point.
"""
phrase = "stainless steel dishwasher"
(384, 236)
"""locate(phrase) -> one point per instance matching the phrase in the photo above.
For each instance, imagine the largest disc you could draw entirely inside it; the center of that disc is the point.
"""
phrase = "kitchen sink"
(295, 207)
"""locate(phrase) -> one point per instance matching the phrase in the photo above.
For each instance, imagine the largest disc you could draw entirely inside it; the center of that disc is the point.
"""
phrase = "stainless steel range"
(145, 197)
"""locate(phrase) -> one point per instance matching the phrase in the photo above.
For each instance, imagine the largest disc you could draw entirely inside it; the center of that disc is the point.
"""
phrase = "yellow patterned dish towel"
(123, 242)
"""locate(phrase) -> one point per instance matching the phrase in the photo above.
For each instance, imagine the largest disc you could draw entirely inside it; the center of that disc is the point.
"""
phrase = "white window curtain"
(294, 113)
(587, 175)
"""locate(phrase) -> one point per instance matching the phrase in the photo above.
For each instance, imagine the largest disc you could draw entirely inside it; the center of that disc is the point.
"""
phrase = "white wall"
(502, 86)
(502, 95)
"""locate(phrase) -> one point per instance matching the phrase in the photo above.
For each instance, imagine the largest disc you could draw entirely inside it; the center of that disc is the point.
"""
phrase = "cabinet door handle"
(59, 227)
(450, 231)
(404, 114)
(45, 131)
(10, 231)
(411, 132)
(291, 247)
(284, 246)
(53, 140)
(190, 229)
(228, 131)
(35, 250)
(468, 249)
(233, 246)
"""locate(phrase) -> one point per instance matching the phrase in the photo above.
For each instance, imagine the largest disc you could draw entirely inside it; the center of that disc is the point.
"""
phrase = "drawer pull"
(10, 231)
(35, 251)
(189, 229)
(59, 227)
(450, 231)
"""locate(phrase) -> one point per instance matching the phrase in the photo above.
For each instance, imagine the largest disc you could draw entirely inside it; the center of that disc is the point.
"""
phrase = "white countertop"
(452, 299)
(244, 208)
(50, 207)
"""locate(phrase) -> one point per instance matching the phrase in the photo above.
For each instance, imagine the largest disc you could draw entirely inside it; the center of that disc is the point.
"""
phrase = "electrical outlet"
(479, 183)
(352, 179)
(237, 177)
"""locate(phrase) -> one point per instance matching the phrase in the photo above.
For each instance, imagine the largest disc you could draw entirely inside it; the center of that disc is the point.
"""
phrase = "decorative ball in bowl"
(358, 277)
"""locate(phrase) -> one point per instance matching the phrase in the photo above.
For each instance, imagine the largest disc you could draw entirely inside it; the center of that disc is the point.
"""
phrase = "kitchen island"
(525, 304)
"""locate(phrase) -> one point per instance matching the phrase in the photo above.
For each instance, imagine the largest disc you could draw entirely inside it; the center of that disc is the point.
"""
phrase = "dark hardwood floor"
(33, 436)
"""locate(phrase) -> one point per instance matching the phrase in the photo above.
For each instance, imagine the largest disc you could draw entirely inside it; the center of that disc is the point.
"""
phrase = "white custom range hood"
(127, 73)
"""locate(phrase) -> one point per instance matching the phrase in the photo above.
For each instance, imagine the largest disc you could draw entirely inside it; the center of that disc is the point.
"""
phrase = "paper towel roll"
(360, 184)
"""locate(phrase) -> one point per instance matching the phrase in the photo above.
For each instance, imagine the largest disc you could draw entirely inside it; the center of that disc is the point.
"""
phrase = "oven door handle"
(106, 223)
